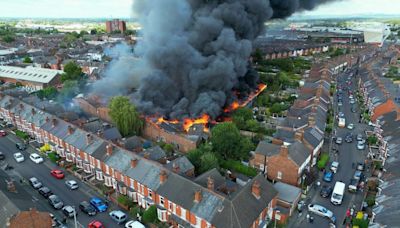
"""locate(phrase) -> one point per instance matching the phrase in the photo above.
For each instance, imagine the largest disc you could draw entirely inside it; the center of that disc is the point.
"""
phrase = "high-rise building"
(115, 25)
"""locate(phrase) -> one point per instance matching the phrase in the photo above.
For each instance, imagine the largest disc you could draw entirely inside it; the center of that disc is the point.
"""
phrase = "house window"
(183, 214)
(133, 196)
(79, 163)
(86, 168)
(161, 200)
(150, 194)
(108, 181)
(162, 214)
(279, 175)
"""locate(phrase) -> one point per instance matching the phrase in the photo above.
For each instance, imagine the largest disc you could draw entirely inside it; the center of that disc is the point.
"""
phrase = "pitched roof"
(33, 74)
(298, 152)
(313, 136)
(287, 192)
(182, 162)
(266, 148)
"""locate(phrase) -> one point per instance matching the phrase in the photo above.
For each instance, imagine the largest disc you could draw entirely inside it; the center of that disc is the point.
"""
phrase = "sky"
(121, 8)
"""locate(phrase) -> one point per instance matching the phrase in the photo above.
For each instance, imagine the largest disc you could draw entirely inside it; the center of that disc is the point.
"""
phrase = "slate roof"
(112, 134)
(266, 148)
(287, 192)
(132, 143)
(182, 162)
(156, 153)
(298, 152)
(313, 136)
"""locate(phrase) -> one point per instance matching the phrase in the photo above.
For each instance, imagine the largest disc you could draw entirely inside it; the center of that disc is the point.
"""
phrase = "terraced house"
(209, 200)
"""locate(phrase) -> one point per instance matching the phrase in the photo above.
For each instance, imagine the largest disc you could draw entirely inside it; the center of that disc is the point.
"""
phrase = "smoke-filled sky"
(120, 8)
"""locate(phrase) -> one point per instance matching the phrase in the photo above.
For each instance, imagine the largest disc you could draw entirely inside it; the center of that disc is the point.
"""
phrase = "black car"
(45, 192)
(87, 208)
(2, 156)
(349, 138)
(326, 191)
(20, 146)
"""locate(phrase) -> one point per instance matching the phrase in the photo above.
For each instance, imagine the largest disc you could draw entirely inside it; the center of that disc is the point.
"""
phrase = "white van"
(338, 193)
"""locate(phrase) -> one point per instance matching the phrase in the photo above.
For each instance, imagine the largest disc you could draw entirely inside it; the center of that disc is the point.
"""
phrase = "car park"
(20, 146)
(326, 191)
(334, 166)
(19, 157)
(2, 156)
(339, 140)
(45, 192)
(328, 176)
(98, 204)
(118, 216)
(36, 158)
(55, 201)
(360, 145)
(59, 174)
(71, 184)
(350, 126)
(69, 211)
(321, 211)
(35, 183)
(95, 224)
(87, 208)
(134, 224)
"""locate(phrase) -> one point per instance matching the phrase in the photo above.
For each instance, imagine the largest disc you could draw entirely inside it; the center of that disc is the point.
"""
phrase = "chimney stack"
(21, 106)
(175, 167)
(163, 176)
(88, 139)
(134, 162)
(299, 135)
(70, 130)
(197, 196)
(256, 189)
(210, 183)
(47, 119)
(311, 121)
(284, 151)
(100, 133)
(54, 122)
(33, 111)
(109, 149)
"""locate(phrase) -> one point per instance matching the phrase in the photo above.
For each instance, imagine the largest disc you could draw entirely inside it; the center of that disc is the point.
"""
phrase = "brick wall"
(289, 169)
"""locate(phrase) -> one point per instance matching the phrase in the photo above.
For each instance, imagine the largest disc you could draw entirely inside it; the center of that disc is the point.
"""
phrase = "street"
(347, 156)
(27, 197)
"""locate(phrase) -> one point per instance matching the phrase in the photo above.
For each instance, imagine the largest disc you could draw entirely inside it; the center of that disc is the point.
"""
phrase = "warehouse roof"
(33, 74)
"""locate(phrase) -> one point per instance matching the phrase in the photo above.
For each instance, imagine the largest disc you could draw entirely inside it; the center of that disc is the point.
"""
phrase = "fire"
(235, 105)
(188, 123)
(161, 120)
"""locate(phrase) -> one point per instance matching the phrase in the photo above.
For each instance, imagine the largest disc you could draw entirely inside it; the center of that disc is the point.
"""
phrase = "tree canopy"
(125, 116)
(72, 72)
(150, 215)
(27, 59)
(48, 93)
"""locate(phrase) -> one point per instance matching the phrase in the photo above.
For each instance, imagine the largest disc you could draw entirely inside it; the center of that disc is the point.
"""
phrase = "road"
(348, 154)
(28, 197)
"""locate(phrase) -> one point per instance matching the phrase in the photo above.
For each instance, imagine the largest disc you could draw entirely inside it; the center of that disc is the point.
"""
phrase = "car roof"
(118, 212)
(95, 199)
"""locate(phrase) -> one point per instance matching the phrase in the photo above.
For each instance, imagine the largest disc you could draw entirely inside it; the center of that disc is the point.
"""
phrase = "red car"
(57, 173)
(2, 133)
(95, 224)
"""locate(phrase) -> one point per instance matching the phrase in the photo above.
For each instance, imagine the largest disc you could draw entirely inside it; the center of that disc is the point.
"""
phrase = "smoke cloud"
(194, 53)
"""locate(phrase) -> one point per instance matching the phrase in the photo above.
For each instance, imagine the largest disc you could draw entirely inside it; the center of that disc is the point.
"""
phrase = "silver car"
(321, 211)
(55, 201)
(36, 184)
(71, 184)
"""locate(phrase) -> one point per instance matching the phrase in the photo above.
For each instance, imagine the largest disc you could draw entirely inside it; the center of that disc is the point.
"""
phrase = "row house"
(180, 201)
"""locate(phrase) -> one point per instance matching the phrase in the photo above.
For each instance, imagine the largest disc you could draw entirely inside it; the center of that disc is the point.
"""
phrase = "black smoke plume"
(195, 53)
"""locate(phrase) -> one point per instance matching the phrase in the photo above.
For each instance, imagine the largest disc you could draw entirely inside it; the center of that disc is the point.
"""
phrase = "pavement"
(347, 155)
(27, 197)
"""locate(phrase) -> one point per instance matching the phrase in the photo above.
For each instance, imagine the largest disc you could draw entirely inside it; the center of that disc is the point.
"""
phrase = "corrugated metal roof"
(33, 74)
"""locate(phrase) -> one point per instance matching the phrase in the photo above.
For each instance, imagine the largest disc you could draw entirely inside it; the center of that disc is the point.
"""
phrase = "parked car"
(339, 140)
(340, 103)
(87, 208)
(357, 175)
(35, 183)
(19, 157)
(359, 137)
(45, 192)
(98, 204)
(69, 211)
(360, 166)
(71, 184)
(36, 158)
(326, 191)
(2, 156)
(118, 216)
(352, 101)
(328, 176)
(95, 224)
(321, 211)
(349, 138)
(59, 174)
(20, 146)
(55, 201)
(350, 126)
(341, 114)
(360, 145)
(353, 109)
(353, 186)
(3, 133)
(334, 166)
(134, 224)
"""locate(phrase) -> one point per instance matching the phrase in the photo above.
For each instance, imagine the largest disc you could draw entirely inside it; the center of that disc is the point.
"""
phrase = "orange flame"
(235, 105)
(188, 123)
(161, 120)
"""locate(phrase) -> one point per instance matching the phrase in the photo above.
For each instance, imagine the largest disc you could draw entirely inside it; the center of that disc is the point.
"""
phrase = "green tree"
(276, 108)
(252, 125)
(228, 143)
(150, 215)
(194, 157)
(372, 140)
(208, 161)
(48, 93)
(8, 38)
(93, 32)
(27, 59)
(82, 33)
(241, 115)
(72, 72)
(125, 116)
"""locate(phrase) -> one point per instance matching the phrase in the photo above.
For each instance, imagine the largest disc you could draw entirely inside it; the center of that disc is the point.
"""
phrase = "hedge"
(323, 160)
(150, 215)
(53, 156)
(21, 134)
(124, 200)
(237, 166)
(360, 223)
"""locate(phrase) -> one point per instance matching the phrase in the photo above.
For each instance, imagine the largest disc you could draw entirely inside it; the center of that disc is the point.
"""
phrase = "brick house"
(180, 201)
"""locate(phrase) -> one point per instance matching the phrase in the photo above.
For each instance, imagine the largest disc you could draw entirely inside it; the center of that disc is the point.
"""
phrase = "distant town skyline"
(122, 8)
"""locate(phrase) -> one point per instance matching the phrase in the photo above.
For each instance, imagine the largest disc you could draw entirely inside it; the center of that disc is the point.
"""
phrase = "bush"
(237, 166)
(372, 140)
(323, 160)
(125, 200)
(361, 223)
(370, 200)
(150, 215)
(134, 211)
(21, 134)
(53, 156)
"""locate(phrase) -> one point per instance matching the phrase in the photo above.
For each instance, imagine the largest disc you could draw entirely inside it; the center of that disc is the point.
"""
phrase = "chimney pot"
(70, 130)
(299, 135)
(109, 149)
(210, 183)
(256, 189)
(134, 163)
(284, 151)
(163, 176)
(197, 196)
(175, 167)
